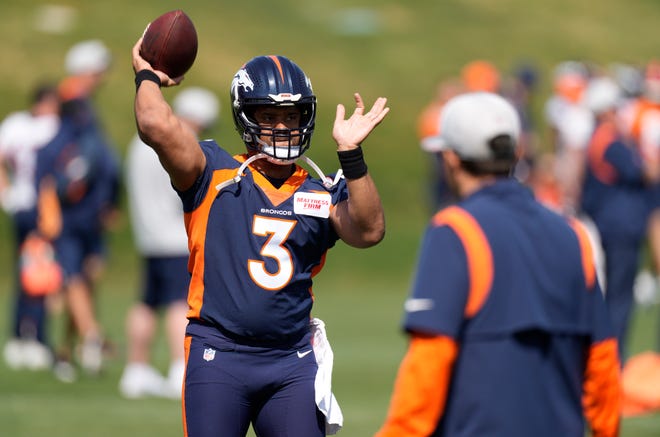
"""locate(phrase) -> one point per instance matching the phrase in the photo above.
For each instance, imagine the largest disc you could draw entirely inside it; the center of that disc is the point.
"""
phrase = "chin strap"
(239, 174)
(327, 182)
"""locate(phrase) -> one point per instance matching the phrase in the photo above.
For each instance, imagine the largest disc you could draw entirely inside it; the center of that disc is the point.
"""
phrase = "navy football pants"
(228, 386)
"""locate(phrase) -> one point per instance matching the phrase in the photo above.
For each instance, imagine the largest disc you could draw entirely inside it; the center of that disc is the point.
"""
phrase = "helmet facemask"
(281, 145)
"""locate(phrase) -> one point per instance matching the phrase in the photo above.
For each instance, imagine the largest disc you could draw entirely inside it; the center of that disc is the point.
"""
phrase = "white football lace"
(327, 182)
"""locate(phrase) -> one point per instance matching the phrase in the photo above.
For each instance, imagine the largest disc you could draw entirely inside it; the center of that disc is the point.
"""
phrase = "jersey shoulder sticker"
(312, 204)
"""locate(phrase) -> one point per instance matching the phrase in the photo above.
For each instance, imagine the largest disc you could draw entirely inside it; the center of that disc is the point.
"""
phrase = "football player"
(259, 227)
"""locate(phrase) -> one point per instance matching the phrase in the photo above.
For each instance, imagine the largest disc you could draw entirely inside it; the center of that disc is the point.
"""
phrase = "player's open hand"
(139, 63)
(349, 133)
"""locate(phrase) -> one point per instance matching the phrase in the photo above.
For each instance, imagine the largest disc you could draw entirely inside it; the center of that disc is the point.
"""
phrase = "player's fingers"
(381, 115)
(359, 103)
(341, 113)
(375, 114)
(138, 62)
(136, 47)
(378, 105)
(175, 81)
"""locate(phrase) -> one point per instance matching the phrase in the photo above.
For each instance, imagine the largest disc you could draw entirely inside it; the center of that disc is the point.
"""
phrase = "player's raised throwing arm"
(158, 127)
(359, 220)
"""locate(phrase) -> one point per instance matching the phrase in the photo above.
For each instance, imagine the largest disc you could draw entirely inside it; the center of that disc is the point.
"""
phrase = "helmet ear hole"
(248, 112)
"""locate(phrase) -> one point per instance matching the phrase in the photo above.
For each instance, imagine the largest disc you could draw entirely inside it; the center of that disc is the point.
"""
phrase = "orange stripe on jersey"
(477, 250)
(186, 349)
(319, 267)
(49, 209)
(588, 264)
(420, 389)
(276, 61)
(602, 391)
(196, 223)
(316, 270)
(604, 136)
(275, 195)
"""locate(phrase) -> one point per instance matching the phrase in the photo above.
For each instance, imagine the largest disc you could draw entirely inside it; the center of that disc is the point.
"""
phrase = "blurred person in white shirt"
(156, 216)
(22, 134)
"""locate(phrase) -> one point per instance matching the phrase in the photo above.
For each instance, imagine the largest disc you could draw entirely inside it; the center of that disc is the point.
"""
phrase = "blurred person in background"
(543, 181)
(630, 79)
(158, 230)
(427, 127)
(481, 75)
(640, 118)
(81, 168)
(571, 126)
(614, 197)
(22, 134)
(477, 75)
(508, 331)
(520, 89)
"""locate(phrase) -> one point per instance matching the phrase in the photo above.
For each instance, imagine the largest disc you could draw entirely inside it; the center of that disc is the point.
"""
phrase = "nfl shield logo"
(209, 354)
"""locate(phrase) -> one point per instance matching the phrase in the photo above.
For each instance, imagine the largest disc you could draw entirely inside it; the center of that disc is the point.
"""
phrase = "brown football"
(169, 43)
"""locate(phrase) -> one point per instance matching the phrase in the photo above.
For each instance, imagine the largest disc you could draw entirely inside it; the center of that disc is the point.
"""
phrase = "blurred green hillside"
(393, 48)
(398, 49)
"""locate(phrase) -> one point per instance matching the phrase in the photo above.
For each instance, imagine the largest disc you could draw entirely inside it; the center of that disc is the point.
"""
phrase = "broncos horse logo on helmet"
(277, 81)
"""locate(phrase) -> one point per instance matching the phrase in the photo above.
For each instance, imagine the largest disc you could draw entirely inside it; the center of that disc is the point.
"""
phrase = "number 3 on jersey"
(278, 231)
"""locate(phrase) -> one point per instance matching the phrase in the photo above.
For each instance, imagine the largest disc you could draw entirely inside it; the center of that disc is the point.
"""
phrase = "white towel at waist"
(325, 400)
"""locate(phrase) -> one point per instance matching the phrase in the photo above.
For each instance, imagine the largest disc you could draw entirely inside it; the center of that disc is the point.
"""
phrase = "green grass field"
(399, 49)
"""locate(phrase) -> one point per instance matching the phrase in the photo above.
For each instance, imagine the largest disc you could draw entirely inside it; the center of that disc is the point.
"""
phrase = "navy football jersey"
(255, 248)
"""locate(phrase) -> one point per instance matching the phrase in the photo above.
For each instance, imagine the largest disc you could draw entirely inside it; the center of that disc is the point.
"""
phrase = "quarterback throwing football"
(259, 227)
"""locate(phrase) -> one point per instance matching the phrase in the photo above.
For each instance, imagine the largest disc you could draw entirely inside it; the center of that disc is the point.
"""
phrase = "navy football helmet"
(277, 81)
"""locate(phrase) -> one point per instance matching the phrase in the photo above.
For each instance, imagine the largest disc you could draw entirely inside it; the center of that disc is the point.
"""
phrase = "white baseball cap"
(90, 56)
(198, 105)
(602, 94)
(470, 121)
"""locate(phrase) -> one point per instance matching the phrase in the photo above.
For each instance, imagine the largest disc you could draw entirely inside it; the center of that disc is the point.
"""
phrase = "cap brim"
(433, 144)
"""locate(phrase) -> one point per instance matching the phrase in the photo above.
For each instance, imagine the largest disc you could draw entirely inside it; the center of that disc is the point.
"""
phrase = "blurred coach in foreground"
(509, 334)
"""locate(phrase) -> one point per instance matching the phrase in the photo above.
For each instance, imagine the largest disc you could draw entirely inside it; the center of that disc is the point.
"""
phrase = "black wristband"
(143, 75)
(352, 163)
